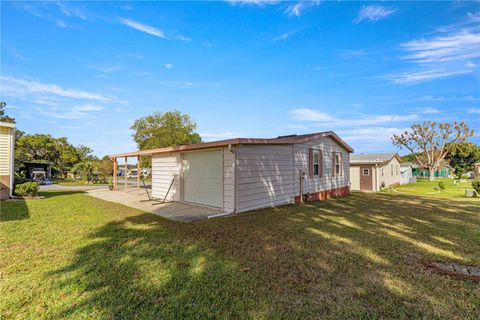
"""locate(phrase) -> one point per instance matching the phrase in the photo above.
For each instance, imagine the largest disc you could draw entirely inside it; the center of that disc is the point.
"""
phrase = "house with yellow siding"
(7, 139)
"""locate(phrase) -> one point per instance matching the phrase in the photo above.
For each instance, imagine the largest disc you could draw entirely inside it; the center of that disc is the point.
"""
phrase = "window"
(337, 164)
(397, 169)
(383, 172)
(316, 162)
(391, 170)
(366, 172)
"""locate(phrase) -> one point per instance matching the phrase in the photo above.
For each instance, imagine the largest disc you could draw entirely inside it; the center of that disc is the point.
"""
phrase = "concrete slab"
(172, 210)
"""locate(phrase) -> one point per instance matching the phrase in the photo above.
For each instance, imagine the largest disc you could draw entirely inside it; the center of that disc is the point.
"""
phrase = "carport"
(184, 182)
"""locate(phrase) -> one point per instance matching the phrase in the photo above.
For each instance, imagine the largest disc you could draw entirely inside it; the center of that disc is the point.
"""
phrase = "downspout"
(12, 162)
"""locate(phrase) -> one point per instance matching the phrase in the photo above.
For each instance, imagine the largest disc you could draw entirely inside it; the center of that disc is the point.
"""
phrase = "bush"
(476, 185)
(29, 189)
(441, 185)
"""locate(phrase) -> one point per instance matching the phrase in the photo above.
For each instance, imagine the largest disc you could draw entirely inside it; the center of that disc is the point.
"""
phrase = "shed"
(243, 174)
(7, 143)
(371, 172)
(406, 173)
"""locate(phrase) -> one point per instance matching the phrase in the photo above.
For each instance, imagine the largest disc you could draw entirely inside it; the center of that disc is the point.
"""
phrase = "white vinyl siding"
(327, 180)
(265, 176)
(165, 167)
(203, 177)
(6, 136)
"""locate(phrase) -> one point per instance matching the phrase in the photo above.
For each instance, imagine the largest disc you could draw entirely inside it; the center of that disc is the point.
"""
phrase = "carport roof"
(291, 139)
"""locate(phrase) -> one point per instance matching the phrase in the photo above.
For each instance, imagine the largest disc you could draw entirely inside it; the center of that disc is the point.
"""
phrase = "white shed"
(7, 140)
(243, 174)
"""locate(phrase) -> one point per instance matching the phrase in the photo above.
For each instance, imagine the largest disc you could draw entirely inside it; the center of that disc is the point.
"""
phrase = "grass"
(358, 257)
(424, 187)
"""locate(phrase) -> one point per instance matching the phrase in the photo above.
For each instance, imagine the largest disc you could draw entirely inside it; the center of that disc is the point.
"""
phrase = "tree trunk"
(431, 174)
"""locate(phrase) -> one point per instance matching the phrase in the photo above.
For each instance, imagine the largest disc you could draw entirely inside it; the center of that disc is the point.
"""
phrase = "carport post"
(138, 174)
(126, 174)
(114, 174)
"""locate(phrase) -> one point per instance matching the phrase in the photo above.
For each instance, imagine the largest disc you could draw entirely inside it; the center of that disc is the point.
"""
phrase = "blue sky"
(86, 70)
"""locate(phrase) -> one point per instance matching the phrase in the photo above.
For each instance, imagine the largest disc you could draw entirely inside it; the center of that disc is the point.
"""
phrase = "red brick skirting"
(322, 195)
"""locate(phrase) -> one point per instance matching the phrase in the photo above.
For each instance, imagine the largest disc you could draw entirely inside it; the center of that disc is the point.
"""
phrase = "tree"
(430, 142)
(3, 116)
(84, 153)
(463, 156)
(85, 169)
(104, 167)
(67, 156)
(35, 147)
(167, 129)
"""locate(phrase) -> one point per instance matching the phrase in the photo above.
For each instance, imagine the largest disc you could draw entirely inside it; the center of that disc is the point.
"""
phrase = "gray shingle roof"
(372, 157)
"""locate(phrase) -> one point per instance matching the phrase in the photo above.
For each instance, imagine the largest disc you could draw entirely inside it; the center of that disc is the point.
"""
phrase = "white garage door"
(203, 175)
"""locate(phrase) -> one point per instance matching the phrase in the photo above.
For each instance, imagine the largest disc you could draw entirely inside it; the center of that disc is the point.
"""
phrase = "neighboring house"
(243, 174)
(371, 172)
(406, 173)
(477, 170)
(7, 142)
(443, 171)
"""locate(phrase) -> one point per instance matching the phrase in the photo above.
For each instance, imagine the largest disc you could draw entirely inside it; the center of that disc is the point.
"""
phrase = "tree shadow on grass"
(354, 257)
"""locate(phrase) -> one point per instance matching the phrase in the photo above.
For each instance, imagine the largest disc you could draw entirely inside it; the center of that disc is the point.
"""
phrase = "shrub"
(476, 185)
(29, 189)
(441, 185)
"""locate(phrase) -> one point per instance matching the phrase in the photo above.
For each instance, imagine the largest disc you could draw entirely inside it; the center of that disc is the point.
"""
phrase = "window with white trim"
(383, 172)
(337, 164)
(316, 162)
(366, 172)
(391, 170)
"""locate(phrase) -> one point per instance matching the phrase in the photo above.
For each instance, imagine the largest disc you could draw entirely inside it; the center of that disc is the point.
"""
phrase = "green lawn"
(426, 188)
(359, 257)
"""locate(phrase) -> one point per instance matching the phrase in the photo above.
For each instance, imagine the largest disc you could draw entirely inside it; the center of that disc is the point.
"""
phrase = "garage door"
(203, 177)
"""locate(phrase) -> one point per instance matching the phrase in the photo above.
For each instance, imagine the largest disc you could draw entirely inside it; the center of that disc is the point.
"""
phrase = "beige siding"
(265, 176)
(355, 178)
(387, 177)
(6, 136)
(165, 167)
(327, 181)
(228, 180)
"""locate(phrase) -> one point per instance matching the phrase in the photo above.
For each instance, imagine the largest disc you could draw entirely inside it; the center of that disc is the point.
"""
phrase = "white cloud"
(327, 120)
(283, 36)
(373, 13)
(106, 69)
(15, 87)
(183, 38)
(430, 110)
(474, 110)
(450, 51)
(296, 9)
(142, 27)
(252, 2)
(77, 112)
(414, 77)
(461, 45)
(306, 114)
(189, 84)
(168, 65)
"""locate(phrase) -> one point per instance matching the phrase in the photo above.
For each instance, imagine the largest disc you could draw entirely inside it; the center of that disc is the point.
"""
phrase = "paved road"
(57, 187)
